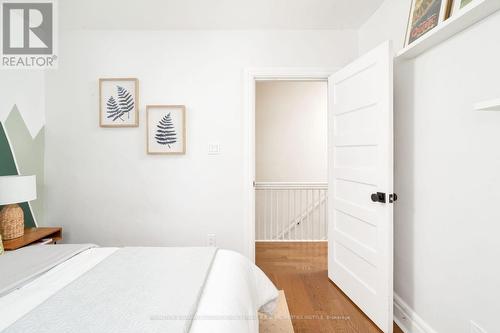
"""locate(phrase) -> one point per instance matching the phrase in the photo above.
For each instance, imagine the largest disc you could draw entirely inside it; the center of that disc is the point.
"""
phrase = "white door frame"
(251, 76)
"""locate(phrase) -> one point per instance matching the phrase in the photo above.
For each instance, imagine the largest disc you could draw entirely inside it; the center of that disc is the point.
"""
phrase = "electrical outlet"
(474, 328)
(212, 240)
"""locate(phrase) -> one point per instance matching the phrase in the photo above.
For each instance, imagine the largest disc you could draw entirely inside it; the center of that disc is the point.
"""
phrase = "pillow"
(1, 245)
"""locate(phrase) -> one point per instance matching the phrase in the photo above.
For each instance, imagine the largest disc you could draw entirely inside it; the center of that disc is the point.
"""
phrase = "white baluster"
(326, 215)
(302, 212)
(278, 214)
(313, 213)
(266, 219)
(273, 212)
(294, 214)
(309, 213)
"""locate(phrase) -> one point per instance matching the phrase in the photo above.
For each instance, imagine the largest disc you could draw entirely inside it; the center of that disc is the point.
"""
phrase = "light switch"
(214, 149)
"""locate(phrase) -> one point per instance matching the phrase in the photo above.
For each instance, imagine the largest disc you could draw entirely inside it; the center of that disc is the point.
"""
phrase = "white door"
(360, 248)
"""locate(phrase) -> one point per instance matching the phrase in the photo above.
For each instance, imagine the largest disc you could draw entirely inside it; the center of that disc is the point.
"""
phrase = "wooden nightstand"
(33, 235)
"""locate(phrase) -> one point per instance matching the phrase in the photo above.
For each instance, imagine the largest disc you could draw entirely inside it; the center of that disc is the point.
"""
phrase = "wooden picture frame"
(424, 16)
(119, 102)
(166, 129)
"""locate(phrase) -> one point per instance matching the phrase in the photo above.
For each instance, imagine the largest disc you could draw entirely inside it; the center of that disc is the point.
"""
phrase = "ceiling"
(215, 14)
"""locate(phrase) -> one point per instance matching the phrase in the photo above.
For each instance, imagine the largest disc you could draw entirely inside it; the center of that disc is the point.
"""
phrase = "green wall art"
(21, 154)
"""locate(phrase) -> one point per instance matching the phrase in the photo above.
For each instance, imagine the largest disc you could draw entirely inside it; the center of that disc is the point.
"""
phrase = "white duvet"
(235, 290)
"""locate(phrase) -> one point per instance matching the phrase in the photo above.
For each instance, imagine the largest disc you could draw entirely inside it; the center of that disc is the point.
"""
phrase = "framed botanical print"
(118, 102)
(166, 129)
(425, 15)
(459, 4)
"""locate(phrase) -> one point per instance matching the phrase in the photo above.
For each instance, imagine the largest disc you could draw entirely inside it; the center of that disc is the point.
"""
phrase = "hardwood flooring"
(315, 303)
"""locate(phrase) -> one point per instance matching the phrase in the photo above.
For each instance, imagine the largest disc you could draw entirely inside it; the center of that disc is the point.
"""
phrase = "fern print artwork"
(165, 134)
(118, 102)
(126, 102)
(124, 107)
(113, 110)
(166, 129)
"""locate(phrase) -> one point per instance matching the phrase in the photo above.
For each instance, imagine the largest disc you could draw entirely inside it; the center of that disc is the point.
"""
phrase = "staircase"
(291, 211)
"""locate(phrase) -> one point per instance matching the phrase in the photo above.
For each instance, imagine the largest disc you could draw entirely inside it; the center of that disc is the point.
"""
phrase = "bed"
(85, 288)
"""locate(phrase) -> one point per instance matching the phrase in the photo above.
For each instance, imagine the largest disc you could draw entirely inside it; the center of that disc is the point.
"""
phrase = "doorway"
(360, 182)
(252, 77)
(291, 204)
(291, 188)
(291, 161)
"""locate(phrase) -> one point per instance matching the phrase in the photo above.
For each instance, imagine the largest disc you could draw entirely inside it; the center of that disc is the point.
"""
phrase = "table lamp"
(13, 190)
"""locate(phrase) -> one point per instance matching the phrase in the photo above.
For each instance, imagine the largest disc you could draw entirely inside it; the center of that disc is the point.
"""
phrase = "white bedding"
(235, 290)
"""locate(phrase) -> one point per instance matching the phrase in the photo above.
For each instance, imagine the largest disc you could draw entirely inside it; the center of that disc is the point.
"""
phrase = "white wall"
(103, 188)
(447, 165)
(24, 88)
(291, 131)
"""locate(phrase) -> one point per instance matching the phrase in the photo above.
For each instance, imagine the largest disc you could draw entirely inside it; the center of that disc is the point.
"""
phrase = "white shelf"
(491, 105)
(472, 13)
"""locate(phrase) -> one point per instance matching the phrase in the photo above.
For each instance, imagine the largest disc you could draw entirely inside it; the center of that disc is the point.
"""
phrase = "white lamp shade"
(15, 189)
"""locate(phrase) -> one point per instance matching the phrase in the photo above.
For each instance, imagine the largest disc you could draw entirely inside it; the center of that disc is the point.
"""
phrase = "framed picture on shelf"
(425, 15)
(459, 4)
(166, 129)
(118, 102)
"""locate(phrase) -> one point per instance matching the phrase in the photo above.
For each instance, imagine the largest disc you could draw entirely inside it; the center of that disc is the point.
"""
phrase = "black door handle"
(381, 197)
(378, 197)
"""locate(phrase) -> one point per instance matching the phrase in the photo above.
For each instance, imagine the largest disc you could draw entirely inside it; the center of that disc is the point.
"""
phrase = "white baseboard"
(407, 319)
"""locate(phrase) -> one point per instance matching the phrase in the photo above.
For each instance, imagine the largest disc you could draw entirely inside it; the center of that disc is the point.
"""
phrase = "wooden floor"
(316, 304)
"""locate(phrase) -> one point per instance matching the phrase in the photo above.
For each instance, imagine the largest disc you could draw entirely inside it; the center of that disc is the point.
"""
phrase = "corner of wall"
(388, 22)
